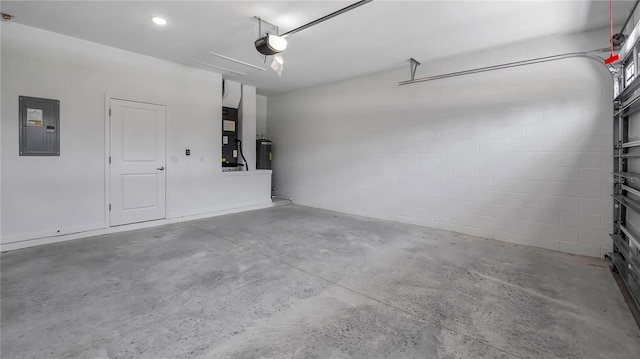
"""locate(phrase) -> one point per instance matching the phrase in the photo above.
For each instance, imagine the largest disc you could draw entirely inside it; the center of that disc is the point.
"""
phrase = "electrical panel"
(229, 137)
(39, 126)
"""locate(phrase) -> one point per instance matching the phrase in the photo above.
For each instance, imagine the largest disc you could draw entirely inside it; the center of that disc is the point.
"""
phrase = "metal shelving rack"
(625, 255)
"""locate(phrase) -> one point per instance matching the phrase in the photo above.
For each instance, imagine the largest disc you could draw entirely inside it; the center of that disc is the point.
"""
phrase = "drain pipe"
(592, 55)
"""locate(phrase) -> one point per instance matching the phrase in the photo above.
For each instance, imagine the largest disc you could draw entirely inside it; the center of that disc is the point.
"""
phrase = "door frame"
(107, 153)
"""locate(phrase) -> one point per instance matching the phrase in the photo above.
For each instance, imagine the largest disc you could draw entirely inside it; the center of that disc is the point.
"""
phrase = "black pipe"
(327, 17)
(246, 164)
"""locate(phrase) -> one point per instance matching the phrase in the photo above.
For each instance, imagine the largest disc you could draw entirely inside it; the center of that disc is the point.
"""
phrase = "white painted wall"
(47, 196)
(261, 115)
(1, 108)
(247, 113)
(520, 155)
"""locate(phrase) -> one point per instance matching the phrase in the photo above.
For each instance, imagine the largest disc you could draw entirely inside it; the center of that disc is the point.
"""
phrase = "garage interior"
(320, 179)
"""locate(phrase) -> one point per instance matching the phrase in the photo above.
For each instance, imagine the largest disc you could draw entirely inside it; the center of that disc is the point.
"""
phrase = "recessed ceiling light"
(159, 20)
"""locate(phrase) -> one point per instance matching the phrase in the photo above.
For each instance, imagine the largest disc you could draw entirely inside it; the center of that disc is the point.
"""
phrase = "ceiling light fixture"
(271, 44)
(159, 20)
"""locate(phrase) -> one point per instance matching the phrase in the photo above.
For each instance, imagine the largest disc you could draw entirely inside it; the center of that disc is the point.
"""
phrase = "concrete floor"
(296, 282)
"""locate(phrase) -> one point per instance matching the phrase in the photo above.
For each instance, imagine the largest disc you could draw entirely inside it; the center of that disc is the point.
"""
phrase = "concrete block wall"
(520, 155)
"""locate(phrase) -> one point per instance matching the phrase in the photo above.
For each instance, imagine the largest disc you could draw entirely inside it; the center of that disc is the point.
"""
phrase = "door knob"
(160, 168)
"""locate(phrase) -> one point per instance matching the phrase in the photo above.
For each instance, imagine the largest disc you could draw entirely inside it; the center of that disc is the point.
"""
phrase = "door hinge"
(109, 112)
(109, 206)
(109, 159)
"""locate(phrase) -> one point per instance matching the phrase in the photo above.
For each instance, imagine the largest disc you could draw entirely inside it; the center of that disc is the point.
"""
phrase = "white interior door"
(137, 168)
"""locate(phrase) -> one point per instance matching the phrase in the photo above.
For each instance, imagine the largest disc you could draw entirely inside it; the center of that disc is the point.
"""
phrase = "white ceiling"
(378, 36)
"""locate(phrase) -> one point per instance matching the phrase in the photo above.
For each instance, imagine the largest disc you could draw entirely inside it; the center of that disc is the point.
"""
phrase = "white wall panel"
(49, 196)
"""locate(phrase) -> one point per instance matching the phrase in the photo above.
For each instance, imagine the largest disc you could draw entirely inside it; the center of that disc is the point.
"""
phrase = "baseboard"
(25, 243)
(349, 211)
(62, 232)
(220, 211)
(473, 231)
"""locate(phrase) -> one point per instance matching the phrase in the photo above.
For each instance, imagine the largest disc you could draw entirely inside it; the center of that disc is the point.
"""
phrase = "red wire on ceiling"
(612, 57)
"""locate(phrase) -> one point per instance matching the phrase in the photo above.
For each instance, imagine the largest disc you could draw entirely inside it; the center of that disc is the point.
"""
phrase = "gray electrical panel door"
(39, 126)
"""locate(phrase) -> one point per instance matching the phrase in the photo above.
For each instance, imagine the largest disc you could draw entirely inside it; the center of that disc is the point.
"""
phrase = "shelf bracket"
(413, 63)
